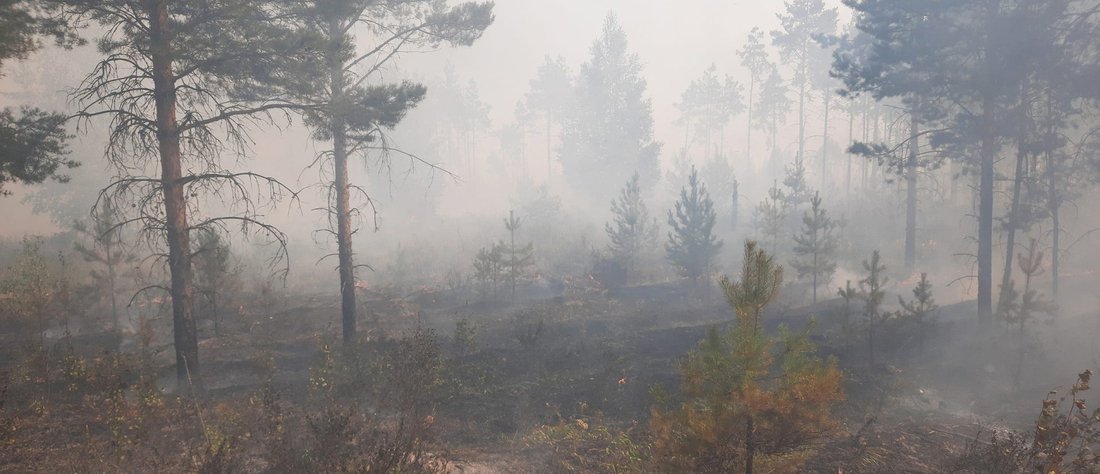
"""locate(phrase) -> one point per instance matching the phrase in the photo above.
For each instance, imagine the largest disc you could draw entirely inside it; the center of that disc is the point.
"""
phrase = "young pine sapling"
(105, 249)
(692, 245)
(848, 294)
(215, 272)
(921, 311)
(1018, 309)
(770, 215)
(519, 258)
(747, 393)
(815, 247)
(872, 294)
(632, 231)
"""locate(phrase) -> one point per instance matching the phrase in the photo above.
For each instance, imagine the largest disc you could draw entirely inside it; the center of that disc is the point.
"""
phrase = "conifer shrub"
(748, 397)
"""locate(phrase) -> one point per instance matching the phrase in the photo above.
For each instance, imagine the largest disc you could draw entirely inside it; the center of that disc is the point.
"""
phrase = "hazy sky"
(676, 41)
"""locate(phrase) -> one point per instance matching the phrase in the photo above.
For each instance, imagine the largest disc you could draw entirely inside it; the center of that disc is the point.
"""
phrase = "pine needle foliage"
(848, 294)
(692, 245)
(760, 280)
(1018, 310)
(749, 398)
(872, 294)
(104, 249)
(921, 310)
(519, 258)
(770, 215)
(215, 273)
(632, 231)
(795, 180)
(816, 246)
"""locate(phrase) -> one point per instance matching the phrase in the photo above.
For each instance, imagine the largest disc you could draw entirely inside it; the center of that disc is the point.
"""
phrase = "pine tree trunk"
(911, 193)
(866, 127)
(1054, 201)
(825, 144)
(184, 331)
(549, 148)
(117, 325)
(750, 445)
(343, 198)
(848, 174)
(214, 307)
(1013, 218)
(871, 340)
(512, 262)
(748, 126)
(687, 133)
(815, 279)
(774, 130)
(802, 117)
(1055, 260)
(985, 213)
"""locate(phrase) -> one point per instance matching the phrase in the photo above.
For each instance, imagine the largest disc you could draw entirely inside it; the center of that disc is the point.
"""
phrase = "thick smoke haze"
(511, 236)
(675, 41)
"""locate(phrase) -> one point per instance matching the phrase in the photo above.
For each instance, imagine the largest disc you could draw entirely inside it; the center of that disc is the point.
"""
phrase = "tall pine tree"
(351, 106)
(609, 135)
(180, 83)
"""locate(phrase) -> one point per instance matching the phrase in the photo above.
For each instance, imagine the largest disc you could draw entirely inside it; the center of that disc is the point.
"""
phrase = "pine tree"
(549, 96)
(1021, 309)
(215, 272)
(706, 106)
(490, 268)
(692, 245)
(33, 147)
(463, 112)
(519, 258)
(802, 22)
(33, 143)
(774, 105)
(798, 192)
(921, 311)
(928, 49)
(761, 279)
(722, 184)
(609, 135)
(348, 106)
(107, 250)
(872, 294)
(771, 214)
(181, 82)
(754, 57)
(848, 294)
(633, 232)
(746, 393)
(814, 249)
